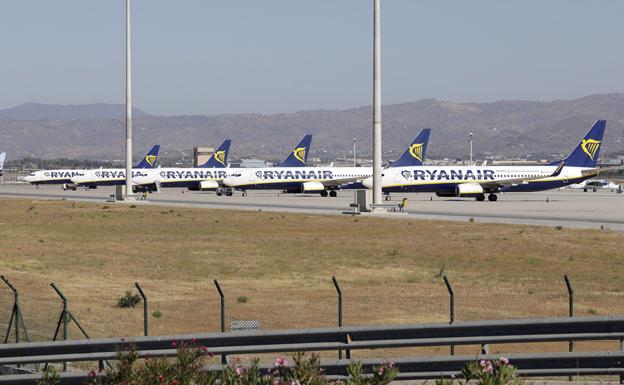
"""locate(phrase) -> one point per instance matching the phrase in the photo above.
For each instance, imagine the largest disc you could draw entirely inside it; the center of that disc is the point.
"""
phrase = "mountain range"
(507, 128)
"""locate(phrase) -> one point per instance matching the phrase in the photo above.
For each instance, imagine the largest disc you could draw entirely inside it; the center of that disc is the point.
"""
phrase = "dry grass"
(390, 270)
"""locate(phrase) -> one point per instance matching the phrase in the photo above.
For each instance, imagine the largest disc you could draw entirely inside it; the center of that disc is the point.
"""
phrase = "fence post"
(67, 316)
(223, 356)
(63, 319)
(571, 311)
(570, 306)
(339, 292)
(145, 333)
(16, 315)
(451, 306)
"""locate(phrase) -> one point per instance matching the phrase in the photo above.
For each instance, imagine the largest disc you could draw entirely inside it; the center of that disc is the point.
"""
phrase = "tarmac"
(565, 207)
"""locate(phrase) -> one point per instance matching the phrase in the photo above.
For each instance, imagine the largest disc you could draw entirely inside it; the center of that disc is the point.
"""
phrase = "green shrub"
(156, 314)
(242, 299)
(128, 300)
(50, 376)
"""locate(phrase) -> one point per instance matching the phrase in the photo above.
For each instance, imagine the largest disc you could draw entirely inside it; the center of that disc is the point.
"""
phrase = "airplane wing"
(490, 184)
(598, 171)
(341, 181)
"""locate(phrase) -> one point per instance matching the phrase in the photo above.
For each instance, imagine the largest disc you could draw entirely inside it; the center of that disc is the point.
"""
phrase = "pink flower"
(488, 369)
(194, 340)
(280, 361)
(503, 360)
(92, 374)
(240, 370)
(174, 344)
(295, 382)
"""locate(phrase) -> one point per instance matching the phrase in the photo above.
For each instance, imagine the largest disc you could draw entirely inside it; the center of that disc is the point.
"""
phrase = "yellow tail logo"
(219, 156)
(416, 150)
(590, 146)
(151, 159)
(300, 153)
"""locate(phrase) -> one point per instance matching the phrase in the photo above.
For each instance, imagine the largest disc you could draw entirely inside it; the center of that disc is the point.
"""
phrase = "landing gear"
(244, 193)
(324, 193)
(388, 197)
(333, 194)
(480, 197)
(492, 198)
(219, 193)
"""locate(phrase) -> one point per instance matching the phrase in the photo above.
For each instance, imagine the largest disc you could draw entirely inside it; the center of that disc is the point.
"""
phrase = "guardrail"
(355, 338)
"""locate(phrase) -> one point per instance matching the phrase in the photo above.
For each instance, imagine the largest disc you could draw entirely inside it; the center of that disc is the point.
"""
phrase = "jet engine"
(466, 189)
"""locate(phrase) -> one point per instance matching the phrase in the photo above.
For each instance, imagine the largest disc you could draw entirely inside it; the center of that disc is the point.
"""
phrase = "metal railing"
(357, 338)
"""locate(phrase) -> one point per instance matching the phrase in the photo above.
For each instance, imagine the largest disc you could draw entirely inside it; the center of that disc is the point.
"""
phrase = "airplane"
(64, 177)
(201, 178)
(2, 157)
(206, 179)
(476, 181)
(323, 180)
(595, 185)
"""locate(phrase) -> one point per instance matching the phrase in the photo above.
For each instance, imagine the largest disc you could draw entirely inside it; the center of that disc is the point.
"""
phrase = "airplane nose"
(368, 182)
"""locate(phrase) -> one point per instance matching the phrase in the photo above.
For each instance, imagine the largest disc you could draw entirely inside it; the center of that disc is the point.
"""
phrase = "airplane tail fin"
(414, 154)
(299, 156)
(150, 159)
(587, 152)
(2, 157)
(219, 158)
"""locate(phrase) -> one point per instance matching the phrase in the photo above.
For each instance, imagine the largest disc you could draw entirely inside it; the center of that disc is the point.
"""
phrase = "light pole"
(354, 165)
(377, 106)
(470, 140)
(129, 192)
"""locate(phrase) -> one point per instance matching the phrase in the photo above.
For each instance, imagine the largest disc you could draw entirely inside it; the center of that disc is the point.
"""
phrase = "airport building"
(248, 163)
(201, 155)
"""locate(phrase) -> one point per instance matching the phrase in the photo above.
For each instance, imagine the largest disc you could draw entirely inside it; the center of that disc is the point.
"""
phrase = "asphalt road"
(568, 208)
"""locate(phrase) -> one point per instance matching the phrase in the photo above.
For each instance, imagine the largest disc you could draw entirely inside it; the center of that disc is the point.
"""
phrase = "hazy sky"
(209, 57)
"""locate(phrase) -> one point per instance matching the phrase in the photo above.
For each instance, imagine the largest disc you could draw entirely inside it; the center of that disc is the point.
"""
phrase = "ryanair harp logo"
(219, 156)
(590, 146)
(416, 150)
(150, 159)
(300, 154)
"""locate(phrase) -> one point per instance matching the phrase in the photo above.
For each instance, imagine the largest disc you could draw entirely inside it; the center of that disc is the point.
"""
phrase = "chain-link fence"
(198, 309)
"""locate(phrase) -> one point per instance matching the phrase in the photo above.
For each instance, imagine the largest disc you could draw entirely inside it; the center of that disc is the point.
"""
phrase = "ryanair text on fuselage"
(116, 174)
(194, 174)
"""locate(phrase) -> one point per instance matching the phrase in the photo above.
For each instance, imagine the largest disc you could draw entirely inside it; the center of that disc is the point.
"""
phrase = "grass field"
(277, 268)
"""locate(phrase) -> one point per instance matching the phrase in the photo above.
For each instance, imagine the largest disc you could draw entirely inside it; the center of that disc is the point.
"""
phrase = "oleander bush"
(187, 368)
(484, 372)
